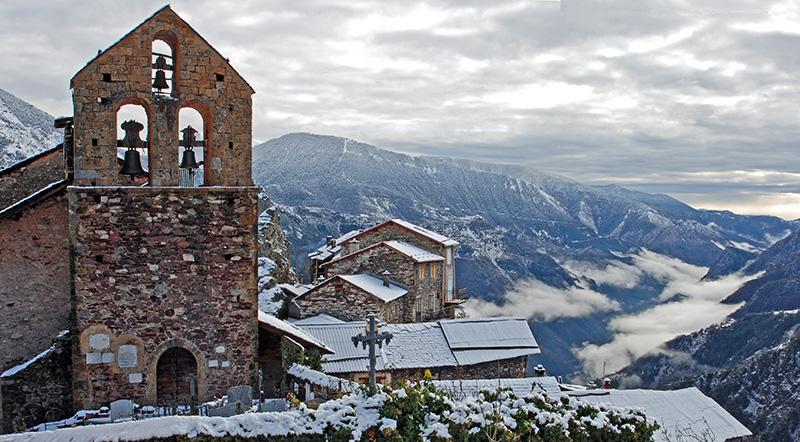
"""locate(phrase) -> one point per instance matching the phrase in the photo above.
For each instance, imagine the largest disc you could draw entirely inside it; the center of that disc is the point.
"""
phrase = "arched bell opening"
(176, 378)
(162, 69)
(133, 142)
(192, 140)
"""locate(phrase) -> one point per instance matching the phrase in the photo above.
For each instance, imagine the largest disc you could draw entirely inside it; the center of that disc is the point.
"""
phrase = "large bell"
(132, 165)
(160, 82)
(188, 161)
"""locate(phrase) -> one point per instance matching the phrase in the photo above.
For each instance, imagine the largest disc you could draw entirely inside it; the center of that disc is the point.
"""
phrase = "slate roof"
(320, 319)
(283, 328)
(34, 198)
(420, 345)
(437, 237)
(673, 410)
(375, 287)
(327, 251)
(418, 254)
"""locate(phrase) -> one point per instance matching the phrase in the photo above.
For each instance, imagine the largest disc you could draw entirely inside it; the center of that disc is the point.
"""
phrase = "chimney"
(385, 275)
(329, 240)
(539, 371)
(68, 146)
(607, 384)
(352, 246)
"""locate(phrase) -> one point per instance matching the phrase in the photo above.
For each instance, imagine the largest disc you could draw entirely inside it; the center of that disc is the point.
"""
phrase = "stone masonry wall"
(203, 80)
(345, 301)
(157, 268)
(18, 182)
(41, 392)
(34, 279)
(403, 270)
(507, 368)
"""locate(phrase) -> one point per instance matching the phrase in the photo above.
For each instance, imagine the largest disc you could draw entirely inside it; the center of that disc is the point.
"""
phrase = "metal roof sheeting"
(687, 410)
(422, 345)
(488, 333)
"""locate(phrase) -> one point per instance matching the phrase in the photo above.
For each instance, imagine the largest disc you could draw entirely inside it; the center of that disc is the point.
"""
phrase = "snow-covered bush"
(416, 412)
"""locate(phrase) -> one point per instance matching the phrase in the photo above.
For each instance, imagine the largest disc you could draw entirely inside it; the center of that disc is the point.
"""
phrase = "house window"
(421, 271)
(434, 267)
(449, 255)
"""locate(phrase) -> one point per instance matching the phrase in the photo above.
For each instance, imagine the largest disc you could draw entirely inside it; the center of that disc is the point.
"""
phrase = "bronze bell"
(132, 165)
(188, 161)
(160, 81)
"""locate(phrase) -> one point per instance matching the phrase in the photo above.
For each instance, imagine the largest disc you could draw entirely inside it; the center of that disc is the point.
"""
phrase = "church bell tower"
(163, 221)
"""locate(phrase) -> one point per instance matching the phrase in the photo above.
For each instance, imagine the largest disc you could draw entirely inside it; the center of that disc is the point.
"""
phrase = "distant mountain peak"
(24, 130)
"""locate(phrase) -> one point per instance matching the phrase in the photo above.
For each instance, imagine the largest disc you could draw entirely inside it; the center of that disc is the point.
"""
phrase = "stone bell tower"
(163, 270)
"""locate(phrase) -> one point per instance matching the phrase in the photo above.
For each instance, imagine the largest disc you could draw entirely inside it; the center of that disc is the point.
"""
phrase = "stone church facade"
(164, 277)
(154, 279)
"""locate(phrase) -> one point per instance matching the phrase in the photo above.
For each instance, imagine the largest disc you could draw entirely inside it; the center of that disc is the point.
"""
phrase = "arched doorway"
(176, 377)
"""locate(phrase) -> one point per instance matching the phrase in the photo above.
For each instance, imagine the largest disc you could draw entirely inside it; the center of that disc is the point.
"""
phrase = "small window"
(220, 77)
(107, 78)
(230, 144)
(94, 141)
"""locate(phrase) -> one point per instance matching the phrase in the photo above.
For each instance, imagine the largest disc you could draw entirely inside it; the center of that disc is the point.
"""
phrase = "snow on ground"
(268, 292)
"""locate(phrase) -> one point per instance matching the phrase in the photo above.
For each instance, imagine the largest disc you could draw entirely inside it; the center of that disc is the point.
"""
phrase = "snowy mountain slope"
(513, 224)
(510, 221)
(24, 130)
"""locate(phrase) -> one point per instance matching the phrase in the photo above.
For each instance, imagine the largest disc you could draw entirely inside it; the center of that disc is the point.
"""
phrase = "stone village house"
(396, 270)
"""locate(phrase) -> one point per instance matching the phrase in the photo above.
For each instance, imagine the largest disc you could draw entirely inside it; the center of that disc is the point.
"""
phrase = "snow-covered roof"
(321, 318)
(417, 345)
(296, 289)
(475, 333)
(437, 237)
(18, 368)
(33, 198)
(296, 333)
(321, 379)
(327, 250)
(418, 254)
(375, 286)
(521, 386)
(425, 232)
(674, 411)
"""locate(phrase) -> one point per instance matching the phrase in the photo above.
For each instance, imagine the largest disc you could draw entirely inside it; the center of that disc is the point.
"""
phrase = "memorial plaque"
(128, 356)
(134, 378)
(94, 358)
(100, 341)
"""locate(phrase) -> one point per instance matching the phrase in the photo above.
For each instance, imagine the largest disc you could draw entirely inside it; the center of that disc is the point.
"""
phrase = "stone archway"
(151, 372)
(176, 377)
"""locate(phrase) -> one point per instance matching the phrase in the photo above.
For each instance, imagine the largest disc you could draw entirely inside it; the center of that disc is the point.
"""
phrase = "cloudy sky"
(700, 100)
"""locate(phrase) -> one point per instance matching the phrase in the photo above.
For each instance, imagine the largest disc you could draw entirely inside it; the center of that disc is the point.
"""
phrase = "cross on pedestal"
(369, 338)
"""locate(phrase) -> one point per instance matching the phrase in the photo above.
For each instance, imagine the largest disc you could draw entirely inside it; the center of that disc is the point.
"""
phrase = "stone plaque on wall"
(99, 341)
(128, 356)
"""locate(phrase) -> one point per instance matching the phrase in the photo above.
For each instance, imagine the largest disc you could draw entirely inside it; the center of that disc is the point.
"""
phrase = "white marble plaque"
(94, 358)
(135, 378)
(213, 363)
(107, 358)
(99, 341)
(128, 356)
(220, 349)
(226, 364)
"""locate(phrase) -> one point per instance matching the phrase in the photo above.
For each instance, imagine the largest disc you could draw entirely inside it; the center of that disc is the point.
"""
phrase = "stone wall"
(507, 368)
(30, 176)
(202, 80)
(156, 268)
(41, 392)
(34, 279)
(345, 301)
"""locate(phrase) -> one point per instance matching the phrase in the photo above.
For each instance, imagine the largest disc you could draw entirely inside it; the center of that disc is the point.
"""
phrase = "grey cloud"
(631, 90)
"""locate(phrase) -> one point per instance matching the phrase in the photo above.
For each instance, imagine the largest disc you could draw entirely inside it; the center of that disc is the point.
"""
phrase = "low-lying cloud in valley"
(537, 300)
(685, 304)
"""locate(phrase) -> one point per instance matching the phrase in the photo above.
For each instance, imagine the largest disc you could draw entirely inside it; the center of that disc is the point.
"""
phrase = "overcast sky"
(700, 100)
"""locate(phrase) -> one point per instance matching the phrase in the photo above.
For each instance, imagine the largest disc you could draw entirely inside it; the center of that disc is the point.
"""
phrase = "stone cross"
(369, 338)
